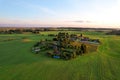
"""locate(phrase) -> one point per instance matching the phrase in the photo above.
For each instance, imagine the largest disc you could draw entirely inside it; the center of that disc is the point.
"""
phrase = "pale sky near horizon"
(93, 13)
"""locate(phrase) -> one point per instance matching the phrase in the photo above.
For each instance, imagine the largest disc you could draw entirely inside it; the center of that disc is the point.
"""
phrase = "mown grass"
(18, 63)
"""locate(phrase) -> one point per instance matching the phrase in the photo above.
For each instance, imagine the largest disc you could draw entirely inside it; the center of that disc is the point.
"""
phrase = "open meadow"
(17, 62)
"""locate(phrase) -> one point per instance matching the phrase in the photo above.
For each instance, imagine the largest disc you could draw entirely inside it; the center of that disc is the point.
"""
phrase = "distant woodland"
(114, 32)
(37, 30)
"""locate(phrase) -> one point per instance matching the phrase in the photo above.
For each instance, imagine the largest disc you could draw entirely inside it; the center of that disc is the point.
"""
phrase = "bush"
(49, 53)
(74, 54)
(83, 48)
(55, 39)
(51, 35)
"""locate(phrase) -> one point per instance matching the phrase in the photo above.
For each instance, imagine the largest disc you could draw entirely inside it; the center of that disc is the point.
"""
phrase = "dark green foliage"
(37, 44)
(78, 51)
(74, 54)
(66, 55)
(61, 44)
(46, 39)
(55, 39)
(49, 53)
(81, 35)
(83, 48)
(114, 32)
(36, 32)
(51, 35)
(75, 47)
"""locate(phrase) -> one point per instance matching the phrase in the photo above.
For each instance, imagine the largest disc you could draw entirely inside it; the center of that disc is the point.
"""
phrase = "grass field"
(17, 62)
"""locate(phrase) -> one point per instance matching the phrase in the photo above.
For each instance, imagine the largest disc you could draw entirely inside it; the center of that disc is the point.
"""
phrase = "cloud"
(81, 21)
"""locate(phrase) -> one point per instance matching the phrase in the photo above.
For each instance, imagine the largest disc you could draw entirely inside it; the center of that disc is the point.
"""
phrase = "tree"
(81, 35)
(83, 48)
(74, 54)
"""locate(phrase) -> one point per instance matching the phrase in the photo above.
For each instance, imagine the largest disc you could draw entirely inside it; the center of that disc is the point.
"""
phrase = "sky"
(86, 13)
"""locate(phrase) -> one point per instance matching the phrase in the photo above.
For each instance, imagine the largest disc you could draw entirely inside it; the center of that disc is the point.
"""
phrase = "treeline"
(19, 31)
(114, 32)
(36, 30)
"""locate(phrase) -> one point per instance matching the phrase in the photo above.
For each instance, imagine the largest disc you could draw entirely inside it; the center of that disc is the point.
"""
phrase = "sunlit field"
(17, 62)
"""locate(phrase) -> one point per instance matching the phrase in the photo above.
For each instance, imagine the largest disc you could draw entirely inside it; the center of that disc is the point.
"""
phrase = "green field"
(17, 62)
